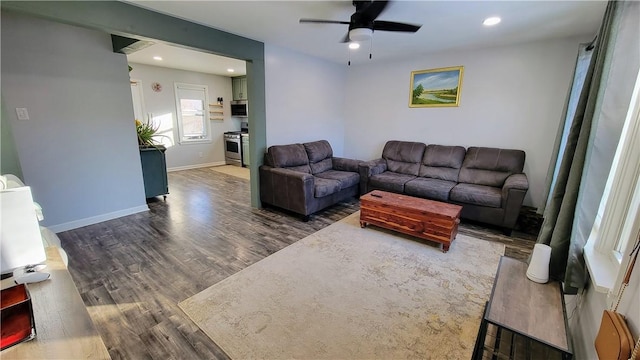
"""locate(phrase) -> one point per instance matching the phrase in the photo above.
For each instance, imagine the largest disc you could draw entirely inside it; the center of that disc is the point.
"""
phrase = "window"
(191, 104)
(138, 100)
(618, 220)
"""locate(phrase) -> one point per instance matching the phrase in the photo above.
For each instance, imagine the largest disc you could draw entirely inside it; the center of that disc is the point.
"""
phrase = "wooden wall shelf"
(216, 112)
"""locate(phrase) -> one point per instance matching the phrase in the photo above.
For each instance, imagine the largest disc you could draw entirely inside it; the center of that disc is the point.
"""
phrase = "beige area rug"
(236, 171)
(351, 293)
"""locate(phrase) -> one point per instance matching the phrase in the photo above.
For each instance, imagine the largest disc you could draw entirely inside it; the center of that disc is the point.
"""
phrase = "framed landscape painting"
(436, 87)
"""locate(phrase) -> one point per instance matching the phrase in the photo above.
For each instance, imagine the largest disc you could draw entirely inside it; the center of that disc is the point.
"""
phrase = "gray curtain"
(580, 73)
(567, 262)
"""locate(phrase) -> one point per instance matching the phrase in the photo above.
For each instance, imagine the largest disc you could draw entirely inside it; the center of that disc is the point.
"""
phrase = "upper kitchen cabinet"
(239, 85)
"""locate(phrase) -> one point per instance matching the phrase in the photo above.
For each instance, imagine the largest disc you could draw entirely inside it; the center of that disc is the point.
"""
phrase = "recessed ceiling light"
(158, 58)
(490, 21)
(230, 70)
(354, 45)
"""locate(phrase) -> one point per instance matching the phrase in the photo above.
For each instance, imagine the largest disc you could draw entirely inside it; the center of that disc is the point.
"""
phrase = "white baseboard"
(196, 166)
(97, 219)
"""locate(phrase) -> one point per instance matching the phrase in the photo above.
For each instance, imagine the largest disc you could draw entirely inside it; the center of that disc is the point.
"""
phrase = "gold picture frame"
(436, 87)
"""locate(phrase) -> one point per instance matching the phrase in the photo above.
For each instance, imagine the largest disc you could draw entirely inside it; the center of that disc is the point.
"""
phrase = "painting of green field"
(436, 87)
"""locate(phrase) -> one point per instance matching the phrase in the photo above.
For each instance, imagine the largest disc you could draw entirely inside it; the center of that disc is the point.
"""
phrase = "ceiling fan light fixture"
(354, 45)
(360, 34)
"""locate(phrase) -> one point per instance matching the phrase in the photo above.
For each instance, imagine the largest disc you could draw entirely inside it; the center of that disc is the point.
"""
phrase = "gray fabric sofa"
(305, 178)
(487, 182)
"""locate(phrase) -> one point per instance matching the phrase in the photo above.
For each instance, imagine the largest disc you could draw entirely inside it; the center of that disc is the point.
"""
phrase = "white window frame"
(618, 219)
(207, 126)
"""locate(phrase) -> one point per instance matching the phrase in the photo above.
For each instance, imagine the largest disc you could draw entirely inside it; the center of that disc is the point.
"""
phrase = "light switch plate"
(23, 114)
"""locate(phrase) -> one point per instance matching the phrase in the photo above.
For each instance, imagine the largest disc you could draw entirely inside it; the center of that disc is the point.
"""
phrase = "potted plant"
(146, 133)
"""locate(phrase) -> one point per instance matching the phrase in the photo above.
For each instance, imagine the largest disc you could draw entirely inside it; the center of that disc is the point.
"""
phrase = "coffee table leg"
(445, 247)
(363, 224)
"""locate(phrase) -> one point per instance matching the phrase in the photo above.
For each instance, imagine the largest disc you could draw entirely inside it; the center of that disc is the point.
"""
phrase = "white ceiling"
(179, 58)
(446, 25)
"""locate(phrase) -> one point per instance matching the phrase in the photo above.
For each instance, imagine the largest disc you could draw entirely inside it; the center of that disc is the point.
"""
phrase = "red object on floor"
(17, 323)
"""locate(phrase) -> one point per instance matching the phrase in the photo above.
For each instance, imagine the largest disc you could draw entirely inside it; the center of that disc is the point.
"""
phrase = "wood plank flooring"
(133, 271)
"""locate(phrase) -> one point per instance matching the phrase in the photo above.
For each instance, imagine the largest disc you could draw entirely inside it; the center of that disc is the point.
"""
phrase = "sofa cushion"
(490, 166)
(293, 157)
(403, 157)
(390, 181)
(429, 188)
(324, 187)
(321, 166)
(345, 178)
(318, 150)
(442, 162)
(477, 195)
(319, 154)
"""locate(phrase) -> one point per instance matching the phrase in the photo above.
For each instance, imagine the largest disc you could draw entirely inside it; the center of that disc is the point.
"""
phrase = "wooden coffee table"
(425, 219)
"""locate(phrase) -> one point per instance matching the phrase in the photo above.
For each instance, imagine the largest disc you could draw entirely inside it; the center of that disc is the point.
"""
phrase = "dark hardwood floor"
(133, 271)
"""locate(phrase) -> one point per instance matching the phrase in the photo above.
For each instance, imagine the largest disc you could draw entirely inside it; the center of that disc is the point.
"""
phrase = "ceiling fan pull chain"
(370, 47)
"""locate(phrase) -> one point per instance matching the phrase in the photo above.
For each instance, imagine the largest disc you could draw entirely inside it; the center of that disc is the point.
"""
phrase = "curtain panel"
(567, 262)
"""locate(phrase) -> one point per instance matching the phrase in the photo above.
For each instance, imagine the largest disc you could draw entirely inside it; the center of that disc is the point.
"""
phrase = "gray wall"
(9, 162)
(78, 151)
(511, 97)
(163, 105)
(305, 98)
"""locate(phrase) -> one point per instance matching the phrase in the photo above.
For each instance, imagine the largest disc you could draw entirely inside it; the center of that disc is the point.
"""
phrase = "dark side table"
(154, 171)
(529, 310)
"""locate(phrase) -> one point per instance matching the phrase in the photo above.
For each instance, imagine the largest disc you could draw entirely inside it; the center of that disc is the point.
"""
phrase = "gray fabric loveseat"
(305, 178)
(487, 182)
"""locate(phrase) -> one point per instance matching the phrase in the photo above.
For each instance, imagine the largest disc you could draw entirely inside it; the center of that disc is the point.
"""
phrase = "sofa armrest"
(373, 167)
(516, 181)
(288, 189)
(344, 164)
(513, 191)
(368, 169)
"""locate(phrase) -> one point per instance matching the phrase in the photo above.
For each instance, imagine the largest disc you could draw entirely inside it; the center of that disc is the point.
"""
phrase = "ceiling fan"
(363, 22)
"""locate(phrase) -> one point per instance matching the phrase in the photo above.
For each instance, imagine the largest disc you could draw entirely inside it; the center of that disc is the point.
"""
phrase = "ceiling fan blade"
(394, 26)
(373, 10)
(319, 21)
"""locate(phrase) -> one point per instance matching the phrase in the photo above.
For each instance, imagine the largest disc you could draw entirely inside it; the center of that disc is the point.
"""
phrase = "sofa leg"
(306, 218)
(507, 231)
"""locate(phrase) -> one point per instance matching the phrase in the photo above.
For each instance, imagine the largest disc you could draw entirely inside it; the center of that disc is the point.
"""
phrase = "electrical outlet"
(22, 113)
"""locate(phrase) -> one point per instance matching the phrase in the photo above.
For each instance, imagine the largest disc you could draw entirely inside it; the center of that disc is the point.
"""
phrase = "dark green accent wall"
(131, 21)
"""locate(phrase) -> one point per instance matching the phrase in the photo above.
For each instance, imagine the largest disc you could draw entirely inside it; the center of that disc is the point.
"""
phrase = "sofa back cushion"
(319, 154)
(292, 157)
(442, 162)
(490, 166)
(403, 157)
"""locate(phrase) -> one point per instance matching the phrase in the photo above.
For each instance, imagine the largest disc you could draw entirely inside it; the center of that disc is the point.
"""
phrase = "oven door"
(232, 148)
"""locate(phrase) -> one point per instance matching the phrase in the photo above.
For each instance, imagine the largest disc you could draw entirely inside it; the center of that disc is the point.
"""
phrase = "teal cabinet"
(154, 171)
